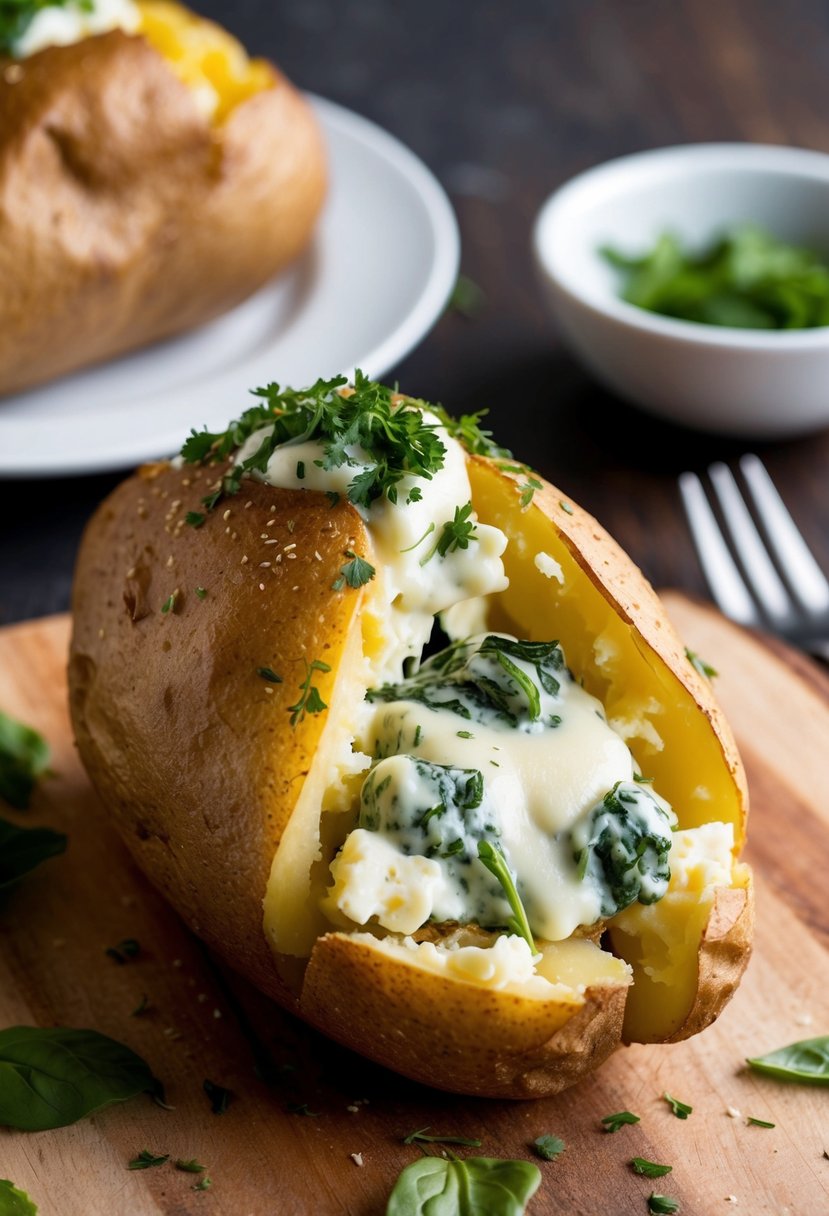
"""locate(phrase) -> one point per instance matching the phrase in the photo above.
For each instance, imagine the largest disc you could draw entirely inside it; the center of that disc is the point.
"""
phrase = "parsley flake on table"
(147, 1160)
(680, 1109)
(649, 1169)
(662, 1205)
(612, 1123)
(203, 1184)
(548, 1147)
(190, 1167)
(752, 1122)
(421, 1137)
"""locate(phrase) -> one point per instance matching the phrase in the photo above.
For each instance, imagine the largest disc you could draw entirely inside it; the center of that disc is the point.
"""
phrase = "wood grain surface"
(264, 1157)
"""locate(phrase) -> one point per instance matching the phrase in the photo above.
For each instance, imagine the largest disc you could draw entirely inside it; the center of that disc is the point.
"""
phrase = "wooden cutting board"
(205, 1023)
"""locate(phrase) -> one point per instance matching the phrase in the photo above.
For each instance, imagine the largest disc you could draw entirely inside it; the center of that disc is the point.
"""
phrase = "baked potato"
(151, 178)
(484, 868)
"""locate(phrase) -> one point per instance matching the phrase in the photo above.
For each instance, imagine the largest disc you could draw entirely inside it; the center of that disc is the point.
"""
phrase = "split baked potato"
(485, 868)
(152, 176)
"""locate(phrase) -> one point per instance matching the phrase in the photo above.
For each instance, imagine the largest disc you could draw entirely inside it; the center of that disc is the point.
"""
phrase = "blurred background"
(504, 102)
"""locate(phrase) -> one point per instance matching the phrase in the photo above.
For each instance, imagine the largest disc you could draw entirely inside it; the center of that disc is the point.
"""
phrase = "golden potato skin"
(190, 749)
(125, 216)
(453, 1035)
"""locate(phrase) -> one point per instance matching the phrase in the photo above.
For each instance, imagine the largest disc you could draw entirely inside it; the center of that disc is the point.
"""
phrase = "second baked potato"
(484, 869)
(151, 178)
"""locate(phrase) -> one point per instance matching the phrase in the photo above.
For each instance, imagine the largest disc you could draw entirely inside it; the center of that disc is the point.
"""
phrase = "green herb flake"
(752, 1122)
(496, 863)
(302, 1108)
(649, 1169)
(333, 497)
(467, 298)
(21, 849)
(170, 603)
(201, 594)
(203, 1184)
(141, 1008)
(528, 491)
(190, 1167)
(147, 1160)
(680, 1109)
(268, 675)
(14, 1202)
(421, 1137)
(357, 572)
(548, 1147)
(24, 758)
(464, 734)
(474, 1184)
(300, 470)
(456, 533)
(806, 1061)
(700, 665)
(125, 950)
(218, 1095)
(53, 1076)
(195, 519)
(662, 1205)
(310, 701)
(565, 506)
(612, 1123)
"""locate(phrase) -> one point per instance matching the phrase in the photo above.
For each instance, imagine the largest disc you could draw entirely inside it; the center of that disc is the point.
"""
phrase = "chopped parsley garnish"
(704, 669)
(124, 951)
(333, 497)
(354, 573)
(752, 1122)
(24, 757)
(528, 490)
(456, 533)
(218, 1095)
(548, 1147)
(565, 506)
(169, 604)
(680, 1109)
(662, 1205)
(649, 1169)
(300, 470)
(203, 1184)
(310, 701)
(146, 1160)
(190, 1167)
(268, 674)
(201, 594)
(496, 863)
(195, 519)
(612, 1123)
(420, 1137)
(464, 734)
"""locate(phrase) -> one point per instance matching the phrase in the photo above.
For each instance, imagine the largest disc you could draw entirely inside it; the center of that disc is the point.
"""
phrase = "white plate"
(382, 266)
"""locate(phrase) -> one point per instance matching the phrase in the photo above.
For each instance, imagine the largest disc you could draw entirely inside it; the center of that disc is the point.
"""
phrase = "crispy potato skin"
(125, 217)
(196, 761)
(190, 749)
(450, 1034)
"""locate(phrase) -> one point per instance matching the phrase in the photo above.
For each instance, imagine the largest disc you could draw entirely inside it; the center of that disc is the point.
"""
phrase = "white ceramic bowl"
(748, 383)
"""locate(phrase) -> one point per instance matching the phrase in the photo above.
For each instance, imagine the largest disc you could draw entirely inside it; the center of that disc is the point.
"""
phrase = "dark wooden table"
(504, 102)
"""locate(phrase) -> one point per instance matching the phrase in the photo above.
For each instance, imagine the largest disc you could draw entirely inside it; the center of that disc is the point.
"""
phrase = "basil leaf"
(24, 756)
(14, 1202)
(21, 849)
(53, 1076)
(806, 1061)
(476, 1186)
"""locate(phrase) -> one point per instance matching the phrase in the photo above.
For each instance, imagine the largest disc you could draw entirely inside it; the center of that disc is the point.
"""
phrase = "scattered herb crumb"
(125, 950)
(169, 604)
(700, 665)
(355, 573)
(302, 1108)
(201, 593)
(421, 1137)
(565, 506)
(190, 1167)
(752, 1122)
(528, 490)
(300, 470)
(548, 1147)
(680, 1109)
(142, 1007)
(195, 519)
(662, 1205)
(218, 1095)
(612, 1123)
(268, 673)
(146, 1160)
(203, 1184)
(649, 1169)
(310, 701)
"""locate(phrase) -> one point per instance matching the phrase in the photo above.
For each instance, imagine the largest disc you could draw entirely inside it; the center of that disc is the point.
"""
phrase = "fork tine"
(793, 555)
(773, 597)
(724, 579)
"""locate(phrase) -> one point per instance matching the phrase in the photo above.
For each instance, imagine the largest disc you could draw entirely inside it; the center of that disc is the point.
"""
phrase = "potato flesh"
(204, 56)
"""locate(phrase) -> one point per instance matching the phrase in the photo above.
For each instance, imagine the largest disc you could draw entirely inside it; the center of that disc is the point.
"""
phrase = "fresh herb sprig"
(496, 863)
(310, 701)
(355, 573)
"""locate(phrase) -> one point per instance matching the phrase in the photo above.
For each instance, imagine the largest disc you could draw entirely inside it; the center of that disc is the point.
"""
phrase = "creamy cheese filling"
(75, 20)
(413, 581)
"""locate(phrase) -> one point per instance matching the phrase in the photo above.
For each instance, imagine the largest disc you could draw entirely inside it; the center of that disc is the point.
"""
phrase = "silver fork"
(774, 583)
